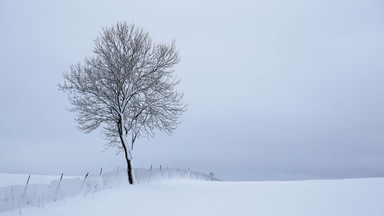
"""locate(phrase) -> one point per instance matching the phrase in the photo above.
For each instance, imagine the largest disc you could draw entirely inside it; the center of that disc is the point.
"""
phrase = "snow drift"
(38, 194)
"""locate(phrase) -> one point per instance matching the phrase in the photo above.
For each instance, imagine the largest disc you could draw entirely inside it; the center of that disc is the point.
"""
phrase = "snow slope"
(41, 191)
(191, 197)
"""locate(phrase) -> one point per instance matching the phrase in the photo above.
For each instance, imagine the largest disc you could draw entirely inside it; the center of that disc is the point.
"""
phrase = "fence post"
(26, 185)
(85, 178)
(13, 198)
(161, 176)
(117, 177)
(58, 185)
(150, 174)
(99, 180)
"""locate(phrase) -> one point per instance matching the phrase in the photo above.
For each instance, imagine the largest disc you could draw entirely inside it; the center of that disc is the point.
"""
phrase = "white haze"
(276, 89)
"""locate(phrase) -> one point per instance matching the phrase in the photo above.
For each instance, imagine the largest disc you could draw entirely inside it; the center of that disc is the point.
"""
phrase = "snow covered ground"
(196, 197)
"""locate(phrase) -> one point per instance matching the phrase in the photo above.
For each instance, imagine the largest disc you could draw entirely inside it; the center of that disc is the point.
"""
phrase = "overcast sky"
(276, 89)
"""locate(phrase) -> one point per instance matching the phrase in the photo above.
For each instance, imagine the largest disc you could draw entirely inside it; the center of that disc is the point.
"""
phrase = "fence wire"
(16, 197)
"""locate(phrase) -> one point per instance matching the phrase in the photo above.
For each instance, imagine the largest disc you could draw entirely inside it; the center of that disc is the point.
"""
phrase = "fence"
(16, 197)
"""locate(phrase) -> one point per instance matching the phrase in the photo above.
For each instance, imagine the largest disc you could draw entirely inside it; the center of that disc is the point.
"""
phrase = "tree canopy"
(128, 88)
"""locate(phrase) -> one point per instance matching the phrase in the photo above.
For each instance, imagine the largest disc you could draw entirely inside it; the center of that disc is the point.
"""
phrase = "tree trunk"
(127, 154)
(130, 175)
(128, 160)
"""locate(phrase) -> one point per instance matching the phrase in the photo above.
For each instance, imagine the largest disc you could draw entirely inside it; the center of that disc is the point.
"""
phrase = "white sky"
(276, 89)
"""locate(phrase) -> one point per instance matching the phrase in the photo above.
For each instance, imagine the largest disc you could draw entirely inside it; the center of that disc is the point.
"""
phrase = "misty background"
(276, 89)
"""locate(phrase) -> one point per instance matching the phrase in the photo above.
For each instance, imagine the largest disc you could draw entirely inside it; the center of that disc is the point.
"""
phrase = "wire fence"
(16, 197)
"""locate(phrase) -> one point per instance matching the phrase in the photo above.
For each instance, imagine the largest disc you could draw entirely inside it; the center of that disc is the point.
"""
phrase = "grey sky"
(276, 89)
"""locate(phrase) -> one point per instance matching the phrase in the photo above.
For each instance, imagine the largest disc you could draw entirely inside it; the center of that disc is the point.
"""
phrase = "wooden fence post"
(117, 177)
(58, 185)
(100, 180)
(85, 178)
(161, 176)
(150, 173)
(26, 185)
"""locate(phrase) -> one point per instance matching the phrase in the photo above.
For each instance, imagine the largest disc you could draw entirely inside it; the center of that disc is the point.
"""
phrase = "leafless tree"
(127, 88)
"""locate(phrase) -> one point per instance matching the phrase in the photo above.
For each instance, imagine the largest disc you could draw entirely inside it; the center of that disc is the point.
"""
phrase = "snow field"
(353, 197)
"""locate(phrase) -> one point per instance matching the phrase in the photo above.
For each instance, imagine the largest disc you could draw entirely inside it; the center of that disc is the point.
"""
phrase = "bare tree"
(127, 88)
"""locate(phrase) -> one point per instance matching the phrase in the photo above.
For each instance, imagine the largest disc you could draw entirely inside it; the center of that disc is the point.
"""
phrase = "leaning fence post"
(85, 178)
(98, 180)
(26, 185)
(58, 185)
